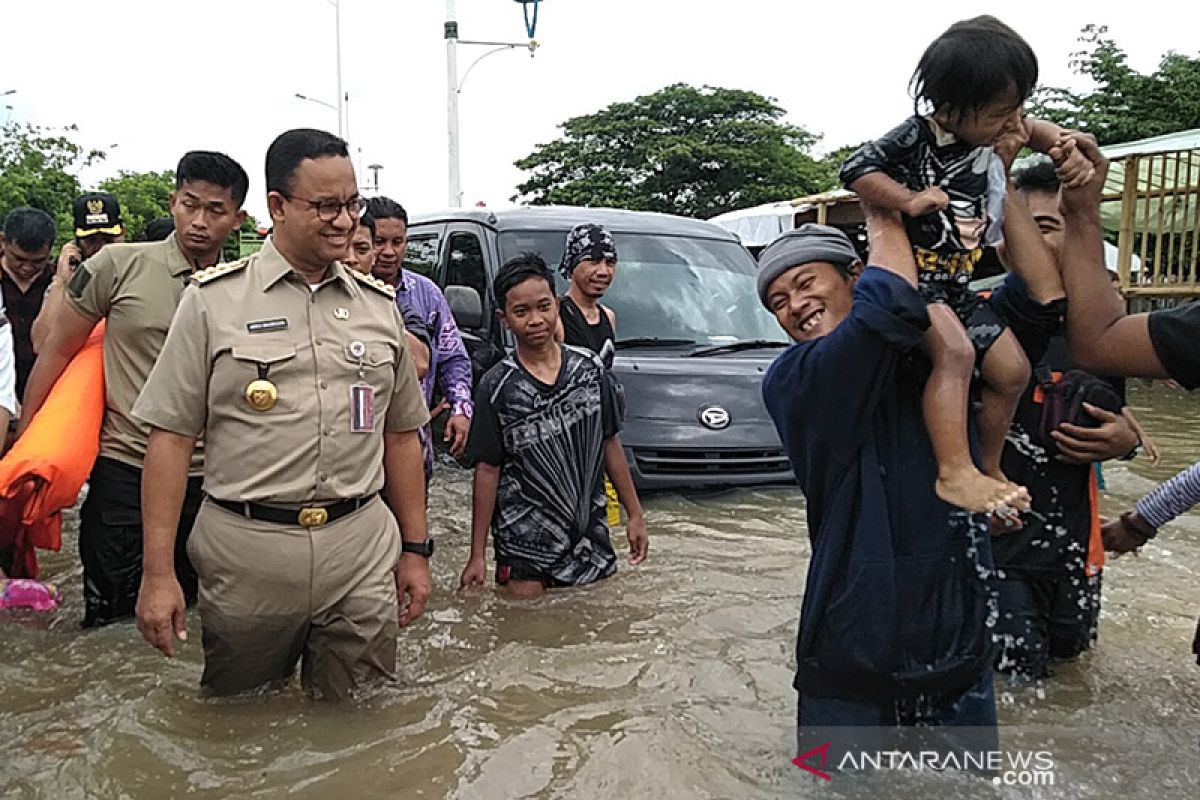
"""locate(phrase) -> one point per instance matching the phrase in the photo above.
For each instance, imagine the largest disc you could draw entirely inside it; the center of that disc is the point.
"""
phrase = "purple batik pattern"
(449, 364)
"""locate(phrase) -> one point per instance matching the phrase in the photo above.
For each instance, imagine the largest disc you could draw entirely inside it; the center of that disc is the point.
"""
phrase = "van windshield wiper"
(652, 341)
(734, 347)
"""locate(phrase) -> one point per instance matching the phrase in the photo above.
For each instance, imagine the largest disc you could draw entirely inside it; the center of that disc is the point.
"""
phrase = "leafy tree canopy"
(681, 150)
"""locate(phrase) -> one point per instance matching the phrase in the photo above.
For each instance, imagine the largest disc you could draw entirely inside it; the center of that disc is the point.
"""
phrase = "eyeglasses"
(328, 210)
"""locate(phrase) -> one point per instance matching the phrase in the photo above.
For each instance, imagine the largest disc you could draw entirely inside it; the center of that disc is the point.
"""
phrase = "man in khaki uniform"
(296, 370)
(136, 288)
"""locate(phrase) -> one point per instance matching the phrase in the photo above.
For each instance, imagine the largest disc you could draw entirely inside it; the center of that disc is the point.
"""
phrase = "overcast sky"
(148, 79)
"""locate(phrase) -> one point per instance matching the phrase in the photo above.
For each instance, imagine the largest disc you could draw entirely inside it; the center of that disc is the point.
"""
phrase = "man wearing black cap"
(589, 262)
(97, 225)
(894, 627)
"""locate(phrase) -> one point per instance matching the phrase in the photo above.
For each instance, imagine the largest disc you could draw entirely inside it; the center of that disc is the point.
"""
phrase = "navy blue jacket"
(899, 589)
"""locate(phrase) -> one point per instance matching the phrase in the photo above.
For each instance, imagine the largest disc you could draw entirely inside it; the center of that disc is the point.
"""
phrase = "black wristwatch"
(424, 548)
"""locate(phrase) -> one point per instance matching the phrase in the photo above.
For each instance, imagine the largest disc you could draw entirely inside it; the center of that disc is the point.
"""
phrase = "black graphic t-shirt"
(919, 154)
(549, 444)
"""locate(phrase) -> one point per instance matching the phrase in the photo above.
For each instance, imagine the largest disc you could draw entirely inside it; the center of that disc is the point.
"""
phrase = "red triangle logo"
(802, 759)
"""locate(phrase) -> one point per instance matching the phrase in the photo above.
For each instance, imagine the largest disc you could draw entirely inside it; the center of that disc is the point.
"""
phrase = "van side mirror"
(466, 306)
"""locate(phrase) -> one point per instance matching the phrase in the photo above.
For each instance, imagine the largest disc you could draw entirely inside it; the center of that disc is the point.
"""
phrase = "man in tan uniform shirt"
(135, 287)
(296, 370)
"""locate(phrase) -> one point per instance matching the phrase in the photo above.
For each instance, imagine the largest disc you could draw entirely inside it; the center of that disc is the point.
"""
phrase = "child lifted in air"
(939, 169)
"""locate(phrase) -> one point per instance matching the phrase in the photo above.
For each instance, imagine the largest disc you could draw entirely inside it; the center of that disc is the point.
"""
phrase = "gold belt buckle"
(313, 517)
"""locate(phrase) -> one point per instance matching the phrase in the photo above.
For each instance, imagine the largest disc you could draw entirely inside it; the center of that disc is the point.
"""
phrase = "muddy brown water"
(670, 681)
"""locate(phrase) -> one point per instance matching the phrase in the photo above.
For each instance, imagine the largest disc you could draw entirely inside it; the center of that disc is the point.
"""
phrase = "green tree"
(681, 150)
(39, 168)
(144, 196)
(1124, 105)
(231, 250)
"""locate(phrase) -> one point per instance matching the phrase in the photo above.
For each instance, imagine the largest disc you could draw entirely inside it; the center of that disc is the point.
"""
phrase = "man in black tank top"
(589, 262)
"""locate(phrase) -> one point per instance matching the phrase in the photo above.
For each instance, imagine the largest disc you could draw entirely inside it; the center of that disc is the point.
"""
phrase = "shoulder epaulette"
(385, 289)
(212, 273)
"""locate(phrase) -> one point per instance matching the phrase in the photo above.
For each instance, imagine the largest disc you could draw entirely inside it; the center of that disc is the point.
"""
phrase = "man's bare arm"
(1102, 338)
(69, 333)
(888, 242)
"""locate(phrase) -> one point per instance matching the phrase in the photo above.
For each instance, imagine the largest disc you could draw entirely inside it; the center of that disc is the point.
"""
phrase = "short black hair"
(291, 147)
(1035, 174)
(516, 271)
(386, 208)
(29, 229)
(215, 168)
(975, 62)
(158, 229)
(368, 222)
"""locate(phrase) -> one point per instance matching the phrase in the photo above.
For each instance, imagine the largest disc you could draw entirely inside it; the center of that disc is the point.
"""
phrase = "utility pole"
(454, 88)
(451, 33)
(337, 28)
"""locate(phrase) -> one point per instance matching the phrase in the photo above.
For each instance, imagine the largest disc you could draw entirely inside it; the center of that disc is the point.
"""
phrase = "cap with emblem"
(97, 212)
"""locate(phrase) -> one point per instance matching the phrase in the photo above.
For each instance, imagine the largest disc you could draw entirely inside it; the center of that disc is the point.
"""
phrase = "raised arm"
(1102, 338)
(888, 243)
(68, 260)
(1026, 252)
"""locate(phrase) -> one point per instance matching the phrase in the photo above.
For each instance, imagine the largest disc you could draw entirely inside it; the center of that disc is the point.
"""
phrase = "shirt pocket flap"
(373, 354)
(263, 354)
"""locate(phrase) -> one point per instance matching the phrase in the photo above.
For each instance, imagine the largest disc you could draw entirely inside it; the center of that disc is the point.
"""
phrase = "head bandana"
(586, 243)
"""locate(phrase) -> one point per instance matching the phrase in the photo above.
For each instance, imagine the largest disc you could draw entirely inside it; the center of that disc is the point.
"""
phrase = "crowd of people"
(266, 444)
(268, 420)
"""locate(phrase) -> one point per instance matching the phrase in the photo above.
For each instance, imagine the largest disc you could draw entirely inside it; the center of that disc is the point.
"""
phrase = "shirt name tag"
(267, 325)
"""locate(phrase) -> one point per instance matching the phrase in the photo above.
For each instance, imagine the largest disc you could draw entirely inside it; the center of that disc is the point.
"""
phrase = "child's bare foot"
(972, 490)
(1019, 500)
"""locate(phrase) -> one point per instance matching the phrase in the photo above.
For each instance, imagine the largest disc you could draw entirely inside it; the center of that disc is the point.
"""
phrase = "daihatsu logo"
(714, 417)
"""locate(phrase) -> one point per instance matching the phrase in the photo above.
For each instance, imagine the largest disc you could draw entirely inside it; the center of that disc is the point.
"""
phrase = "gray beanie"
(810, 242)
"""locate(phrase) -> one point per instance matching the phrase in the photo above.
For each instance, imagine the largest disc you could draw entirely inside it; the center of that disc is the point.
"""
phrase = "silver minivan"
(693, 341)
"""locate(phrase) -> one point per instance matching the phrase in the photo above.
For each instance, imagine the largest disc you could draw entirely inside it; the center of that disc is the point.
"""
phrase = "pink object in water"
(26, 593)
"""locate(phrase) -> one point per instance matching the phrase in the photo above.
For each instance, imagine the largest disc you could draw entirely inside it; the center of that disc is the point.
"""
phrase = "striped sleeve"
(1172, 498)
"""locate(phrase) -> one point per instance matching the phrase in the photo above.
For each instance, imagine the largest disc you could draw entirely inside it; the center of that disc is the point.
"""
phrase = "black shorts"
(981, 322)
(110, 542)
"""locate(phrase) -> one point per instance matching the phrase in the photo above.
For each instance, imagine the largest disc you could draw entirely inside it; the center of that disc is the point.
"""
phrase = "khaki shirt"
(258, 319)
(137, 288)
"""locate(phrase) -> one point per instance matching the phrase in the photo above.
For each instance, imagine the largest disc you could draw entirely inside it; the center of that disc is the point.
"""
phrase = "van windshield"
(670, 287)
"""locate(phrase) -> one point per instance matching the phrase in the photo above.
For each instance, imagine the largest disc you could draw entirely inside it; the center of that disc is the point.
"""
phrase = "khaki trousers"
(272, 594)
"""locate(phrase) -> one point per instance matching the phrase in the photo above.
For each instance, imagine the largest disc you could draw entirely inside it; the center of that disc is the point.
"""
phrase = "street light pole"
(451, 32)
(337, 16)
(454, 88)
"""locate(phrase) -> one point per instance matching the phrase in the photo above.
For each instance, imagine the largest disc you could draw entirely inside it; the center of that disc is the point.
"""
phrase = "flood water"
(672, 680)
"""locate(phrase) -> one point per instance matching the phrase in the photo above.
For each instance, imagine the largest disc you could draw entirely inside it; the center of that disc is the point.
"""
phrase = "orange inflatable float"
(45, 469)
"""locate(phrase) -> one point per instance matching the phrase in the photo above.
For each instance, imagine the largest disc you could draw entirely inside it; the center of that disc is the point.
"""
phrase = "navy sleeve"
(829, 389)
(894, 153)
(1174, 333)
(1033, 323)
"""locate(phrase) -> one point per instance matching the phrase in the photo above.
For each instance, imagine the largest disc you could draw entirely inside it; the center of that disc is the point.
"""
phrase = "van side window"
(421, 254)
(464, 265)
